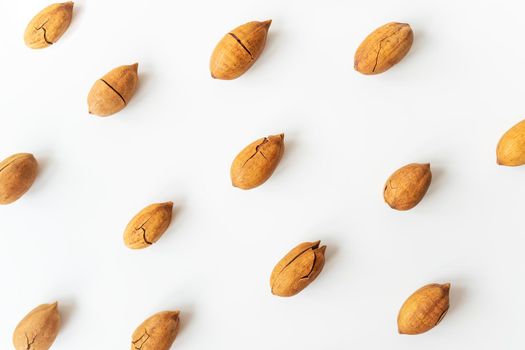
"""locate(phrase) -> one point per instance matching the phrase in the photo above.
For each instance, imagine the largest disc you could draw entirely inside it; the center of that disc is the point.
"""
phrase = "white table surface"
(448, 102)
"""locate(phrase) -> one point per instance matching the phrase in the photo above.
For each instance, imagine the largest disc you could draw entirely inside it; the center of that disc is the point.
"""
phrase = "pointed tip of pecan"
(267, 23)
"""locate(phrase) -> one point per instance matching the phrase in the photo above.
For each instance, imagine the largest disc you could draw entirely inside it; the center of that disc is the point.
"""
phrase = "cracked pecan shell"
(511, 146)
(257, 162)
(148, 225)
(424, 309)
(38, 330)
(17, 174)
(157, 332)
(113, 91)
(407, 186)
(238, 50)
(48, 25)
(297, 269)
(383, 48)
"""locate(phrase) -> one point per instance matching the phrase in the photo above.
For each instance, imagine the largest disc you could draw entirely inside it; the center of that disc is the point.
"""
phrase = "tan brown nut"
(424, 309)
(17, 174)
(148, 225)
(238, 50)
(297, 269)
(48, 25)
(38, 329)
(113, 91)
(158, 332)
(257, 162)
(511, 146)
(405, 188)
(383, 48)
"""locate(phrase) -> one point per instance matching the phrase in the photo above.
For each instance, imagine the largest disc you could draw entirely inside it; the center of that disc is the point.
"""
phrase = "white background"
(448, 102)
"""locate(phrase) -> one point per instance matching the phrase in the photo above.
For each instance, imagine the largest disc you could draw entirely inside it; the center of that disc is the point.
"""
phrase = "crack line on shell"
(45, 36)
(8, 164)
(433, 306)
(144, 235)
(377, 55)
(442, 315)
(390, 185)
(380, 44)
(112, 88)
(298, 255)
(144, 342)
(240, 43)
(144, 231)
(291, 261)
(256, 151)
(29, 344)
(45, 32)
(307, 276)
